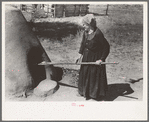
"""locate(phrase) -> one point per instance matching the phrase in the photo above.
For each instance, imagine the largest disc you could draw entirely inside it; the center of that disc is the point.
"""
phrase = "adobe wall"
(23, 52)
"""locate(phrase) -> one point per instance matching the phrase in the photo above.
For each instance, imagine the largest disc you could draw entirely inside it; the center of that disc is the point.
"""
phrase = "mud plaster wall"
(21, 47)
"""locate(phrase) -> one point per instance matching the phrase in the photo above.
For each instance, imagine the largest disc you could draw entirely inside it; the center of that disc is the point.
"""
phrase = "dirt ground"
(123, 28)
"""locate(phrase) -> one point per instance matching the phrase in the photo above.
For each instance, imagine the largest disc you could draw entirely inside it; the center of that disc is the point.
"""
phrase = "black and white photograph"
(74, 57)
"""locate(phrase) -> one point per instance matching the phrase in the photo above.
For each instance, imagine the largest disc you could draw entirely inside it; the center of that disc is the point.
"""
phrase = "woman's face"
(86, 27)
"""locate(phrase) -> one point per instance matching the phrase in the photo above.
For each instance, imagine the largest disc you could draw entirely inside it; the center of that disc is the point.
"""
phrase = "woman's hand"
(99, 62)
(79, 60)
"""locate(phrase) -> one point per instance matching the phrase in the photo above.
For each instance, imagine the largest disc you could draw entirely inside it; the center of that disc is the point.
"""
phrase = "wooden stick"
(82, 63)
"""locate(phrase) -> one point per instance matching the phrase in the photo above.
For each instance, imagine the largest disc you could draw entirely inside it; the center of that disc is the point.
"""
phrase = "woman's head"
(89, 22)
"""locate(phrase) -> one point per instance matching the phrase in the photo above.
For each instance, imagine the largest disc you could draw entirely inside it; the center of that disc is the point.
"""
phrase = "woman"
(94, 48)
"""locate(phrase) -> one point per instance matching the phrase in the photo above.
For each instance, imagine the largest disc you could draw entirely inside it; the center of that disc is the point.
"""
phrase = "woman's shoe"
(88, 98)
(101, 98)
(79, 95)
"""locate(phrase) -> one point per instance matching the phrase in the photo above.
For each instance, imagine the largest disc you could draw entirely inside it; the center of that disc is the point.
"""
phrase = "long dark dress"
(92, 78)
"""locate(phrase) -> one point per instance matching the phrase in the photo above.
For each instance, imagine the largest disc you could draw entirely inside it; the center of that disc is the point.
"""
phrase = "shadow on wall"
(57, 74)
(38, 72)
(116, 90)
(55, 30)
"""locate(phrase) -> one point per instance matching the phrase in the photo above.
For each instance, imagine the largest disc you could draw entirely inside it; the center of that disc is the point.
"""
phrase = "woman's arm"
(106, 49)
(82, 44)
(80, 59)
(105, 46)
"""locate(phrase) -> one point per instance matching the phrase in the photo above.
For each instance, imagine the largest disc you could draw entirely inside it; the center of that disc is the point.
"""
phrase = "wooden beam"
(82, 63)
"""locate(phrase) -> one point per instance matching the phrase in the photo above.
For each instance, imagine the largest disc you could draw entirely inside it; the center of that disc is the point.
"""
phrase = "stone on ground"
(45, 88)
